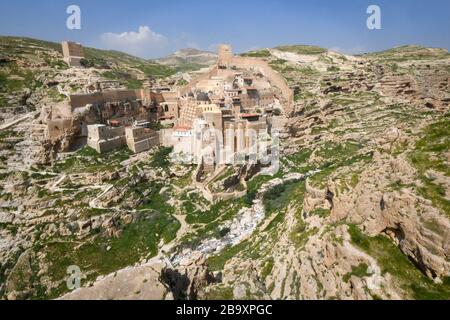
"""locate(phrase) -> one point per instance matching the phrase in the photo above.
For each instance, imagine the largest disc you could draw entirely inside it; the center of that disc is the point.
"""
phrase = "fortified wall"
(67, 119)
(104, 139)
(228, 60)
(274, 77)
(213, 72)
(81, 100)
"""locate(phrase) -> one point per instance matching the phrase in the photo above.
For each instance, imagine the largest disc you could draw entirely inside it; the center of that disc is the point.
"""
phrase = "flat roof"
(182, 128)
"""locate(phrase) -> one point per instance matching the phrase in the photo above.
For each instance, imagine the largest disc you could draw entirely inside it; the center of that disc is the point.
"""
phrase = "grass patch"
(302, 49)
(124, 78)
(359, 271)
(430, 153)
(321, 212)
(217, 263)
(88, 160)
(138, 240)
(161, 158)
(393, 261)
(264, 53)
(267, 268)
(300, 234)
(280, 196)
(220, 293)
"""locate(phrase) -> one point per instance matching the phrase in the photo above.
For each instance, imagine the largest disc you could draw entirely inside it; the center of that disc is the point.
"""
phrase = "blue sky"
(154, 28)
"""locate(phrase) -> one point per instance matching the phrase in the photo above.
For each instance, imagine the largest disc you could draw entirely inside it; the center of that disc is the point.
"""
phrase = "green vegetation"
(335, 156)
(321, 212)
(302, 49)
(281, 196)
(409, 53)
(276, 112)
(393, 261)
(88, 160)
(301, 234)
(196, 216)
(333, 69)
(298, 162)
(13, 78)
(207, 219)
(26, 46)
(267, 268)
(264, 53)
(9, 139)
(182, 83)
(278, 62)
(156, 70)
(104, 59)
(3, 102)
(150, 197)
(187, 66)
(358, 271)
(331, 150)
(54, 94)
(105, 255)
(250, 197)
(303, 95)
(217, 263)
(220, 293)
(161, 158)
(430, 153)
(85, 63)
(256, 183)
(124, 78)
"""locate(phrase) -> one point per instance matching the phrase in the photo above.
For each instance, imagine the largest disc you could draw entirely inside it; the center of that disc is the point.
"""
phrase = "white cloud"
(144, 43)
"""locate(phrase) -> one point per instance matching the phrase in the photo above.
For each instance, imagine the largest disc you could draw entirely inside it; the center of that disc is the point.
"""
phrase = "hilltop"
(189, 59)
(32, 70)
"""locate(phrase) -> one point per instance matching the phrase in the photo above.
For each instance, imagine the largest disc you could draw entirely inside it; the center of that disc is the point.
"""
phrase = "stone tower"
(73, 53)
(225, 55)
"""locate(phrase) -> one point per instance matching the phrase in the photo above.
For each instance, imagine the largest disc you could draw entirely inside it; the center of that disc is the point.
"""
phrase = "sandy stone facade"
(73, 53)
(213, 120)
(103, 138)
(141, 139)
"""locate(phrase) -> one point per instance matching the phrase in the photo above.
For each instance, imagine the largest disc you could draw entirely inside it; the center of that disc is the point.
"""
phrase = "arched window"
(166, 108)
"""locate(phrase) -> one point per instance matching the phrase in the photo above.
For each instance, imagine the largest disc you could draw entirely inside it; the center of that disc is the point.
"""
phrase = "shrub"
(86, 63)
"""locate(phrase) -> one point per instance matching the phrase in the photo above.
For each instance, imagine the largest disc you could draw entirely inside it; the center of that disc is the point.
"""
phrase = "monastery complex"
(222, 116)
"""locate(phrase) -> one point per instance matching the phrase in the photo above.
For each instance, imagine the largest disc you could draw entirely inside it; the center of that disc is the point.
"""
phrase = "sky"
(156, 28)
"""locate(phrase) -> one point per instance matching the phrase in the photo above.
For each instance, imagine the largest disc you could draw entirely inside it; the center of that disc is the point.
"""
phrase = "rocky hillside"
(360, 208)
(373, 221)
(32, 70)
(189, 59)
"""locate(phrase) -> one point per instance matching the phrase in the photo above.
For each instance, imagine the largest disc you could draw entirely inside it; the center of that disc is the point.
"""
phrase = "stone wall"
(81, 100)
(145, 144)
(248, 63)
(213, 72)
(104, 139)
(103, 146)
(274, 77)
(141, 139)
(166, 138)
